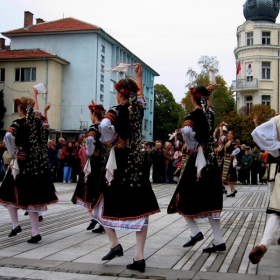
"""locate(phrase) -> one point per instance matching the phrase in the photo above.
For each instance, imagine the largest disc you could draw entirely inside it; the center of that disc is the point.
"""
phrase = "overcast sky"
(169, 36)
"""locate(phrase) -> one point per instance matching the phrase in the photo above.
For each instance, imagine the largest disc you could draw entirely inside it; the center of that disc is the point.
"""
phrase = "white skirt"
(130, 225)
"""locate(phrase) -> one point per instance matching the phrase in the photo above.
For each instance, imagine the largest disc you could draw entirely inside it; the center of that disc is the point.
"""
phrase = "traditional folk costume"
(27, 184)
(199, 189)
(267, 137)
(219, 151)
(127, 197)
(229, 163)
(87, 191)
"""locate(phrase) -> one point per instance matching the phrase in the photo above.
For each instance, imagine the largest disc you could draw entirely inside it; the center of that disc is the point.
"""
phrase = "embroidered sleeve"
(111, 115)
(90, 147)
(107, 131)
(189, 136)
(236, 151)
(9, 141)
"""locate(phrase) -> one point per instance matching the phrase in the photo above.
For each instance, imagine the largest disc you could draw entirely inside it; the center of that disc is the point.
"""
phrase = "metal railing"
(244, 84)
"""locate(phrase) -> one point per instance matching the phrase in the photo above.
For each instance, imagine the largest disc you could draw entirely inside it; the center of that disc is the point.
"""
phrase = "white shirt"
(266, 137)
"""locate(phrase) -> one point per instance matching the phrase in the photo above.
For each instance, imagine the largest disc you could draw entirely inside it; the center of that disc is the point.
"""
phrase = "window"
(266, 70)
(101, 87)
(249, 102)
(103, 48)
(151, 127)
(151, 106)
(266, 38)
(147, 102)
(15, 107)
(102, 68)
(145, 124)
(25, 74)
(102, 78)
(249, 38)
(266, 100)
(101, 97)
(112, 86)
(2, 75)
(102, 58)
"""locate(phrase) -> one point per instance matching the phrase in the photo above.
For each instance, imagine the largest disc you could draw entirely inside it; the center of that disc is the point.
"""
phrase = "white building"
(257, 55)
(83, 50)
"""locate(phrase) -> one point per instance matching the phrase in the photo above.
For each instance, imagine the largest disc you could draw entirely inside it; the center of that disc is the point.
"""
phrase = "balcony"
(243, 84)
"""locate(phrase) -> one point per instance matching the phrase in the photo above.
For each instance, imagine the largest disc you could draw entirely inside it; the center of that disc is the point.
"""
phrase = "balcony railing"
(244, 84)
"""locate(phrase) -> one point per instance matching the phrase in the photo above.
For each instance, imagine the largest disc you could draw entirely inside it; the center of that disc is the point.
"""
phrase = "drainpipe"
(96, 69)
(47, 79)
(278, 90)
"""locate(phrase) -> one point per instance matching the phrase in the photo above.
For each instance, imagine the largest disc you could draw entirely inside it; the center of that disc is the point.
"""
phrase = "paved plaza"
(68, 251)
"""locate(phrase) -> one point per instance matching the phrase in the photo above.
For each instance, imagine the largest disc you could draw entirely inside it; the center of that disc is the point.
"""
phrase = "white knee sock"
(33, 216)
(270, 229)
(193, 226)
(216, 227)
(13, 211)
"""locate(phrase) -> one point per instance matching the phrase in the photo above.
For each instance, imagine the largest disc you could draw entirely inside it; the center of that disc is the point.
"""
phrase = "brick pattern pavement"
(67, 247)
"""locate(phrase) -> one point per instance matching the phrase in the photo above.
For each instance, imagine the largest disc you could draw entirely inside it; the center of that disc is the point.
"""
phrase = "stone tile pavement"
(68, 251)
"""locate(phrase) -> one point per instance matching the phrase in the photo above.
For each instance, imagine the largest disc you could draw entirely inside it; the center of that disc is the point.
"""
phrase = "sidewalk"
(68, 251)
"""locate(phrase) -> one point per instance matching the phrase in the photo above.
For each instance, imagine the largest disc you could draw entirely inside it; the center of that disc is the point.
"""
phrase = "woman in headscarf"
(199, 190)
(28, 183)
(127, 197)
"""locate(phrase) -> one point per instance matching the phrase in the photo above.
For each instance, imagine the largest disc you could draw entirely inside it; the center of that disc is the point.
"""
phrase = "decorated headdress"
(120, 87)
(199, 92)
(96, 108)
(24, 102)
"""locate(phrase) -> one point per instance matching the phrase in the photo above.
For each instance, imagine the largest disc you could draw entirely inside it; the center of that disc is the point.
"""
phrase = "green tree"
(2, 108)
(222, 97)
(242, 121)
(168, 115)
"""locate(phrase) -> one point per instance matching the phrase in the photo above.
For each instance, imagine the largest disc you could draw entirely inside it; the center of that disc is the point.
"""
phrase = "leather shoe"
(137, 265)
(15, 231)
(116, 251)
(278, 241)
(232, 194)
(257, 253)
(194, 240)
(40, 218)
(100, 229)
(218, 248)
(92, 225)
(34, 239)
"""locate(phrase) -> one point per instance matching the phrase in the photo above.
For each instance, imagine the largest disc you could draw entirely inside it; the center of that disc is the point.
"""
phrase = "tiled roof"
(66, 24)
(28, 54)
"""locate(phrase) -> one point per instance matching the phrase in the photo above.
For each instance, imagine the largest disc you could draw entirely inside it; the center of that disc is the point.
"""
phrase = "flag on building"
(238, 69)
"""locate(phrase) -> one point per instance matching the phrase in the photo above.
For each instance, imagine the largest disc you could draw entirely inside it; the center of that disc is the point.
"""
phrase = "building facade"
(87, 49)
(257, 56)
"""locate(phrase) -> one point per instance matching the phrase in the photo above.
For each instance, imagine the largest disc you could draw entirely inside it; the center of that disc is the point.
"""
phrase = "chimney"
(2, 44)
(28, 19)
(39, 20)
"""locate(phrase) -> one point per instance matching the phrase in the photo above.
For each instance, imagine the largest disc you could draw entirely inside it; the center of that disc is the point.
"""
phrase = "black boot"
(137, 265)
(116, 251)
(194, 240)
